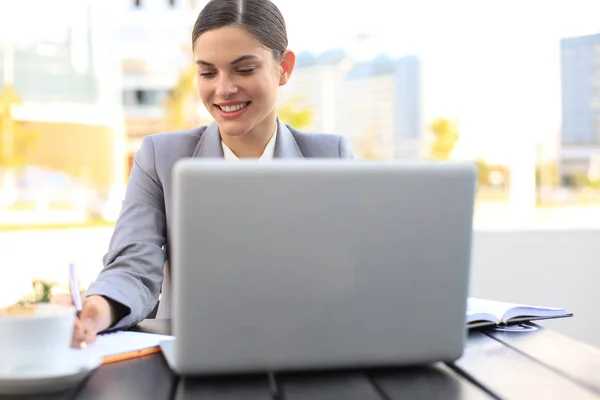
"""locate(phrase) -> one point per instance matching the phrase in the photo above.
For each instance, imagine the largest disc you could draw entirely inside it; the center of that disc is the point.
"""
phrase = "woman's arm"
(133, 266)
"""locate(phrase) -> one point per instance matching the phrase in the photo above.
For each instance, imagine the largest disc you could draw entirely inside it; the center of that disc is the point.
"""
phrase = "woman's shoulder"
(161, 150)
(178, 143)
(316, 144)
(174, 137)
(317, 136)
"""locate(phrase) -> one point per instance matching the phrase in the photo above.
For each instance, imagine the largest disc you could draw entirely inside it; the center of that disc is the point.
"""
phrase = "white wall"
(545, 267)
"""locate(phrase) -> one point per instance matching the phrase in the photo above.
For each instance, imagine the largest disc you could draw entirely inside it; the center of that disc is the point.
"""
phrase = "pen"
(75, 294)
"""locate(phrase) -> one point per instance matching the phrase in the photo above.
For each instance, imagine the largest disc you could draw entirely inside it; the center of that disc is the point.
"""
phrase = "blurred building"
(318, 83)
(580, 135)
(67, 75)
(375, 103)
(383, 96)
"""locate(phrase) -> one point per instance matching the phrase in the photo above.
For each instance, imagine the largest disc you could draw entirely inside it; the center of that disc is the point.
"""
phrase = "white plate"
(75, 368)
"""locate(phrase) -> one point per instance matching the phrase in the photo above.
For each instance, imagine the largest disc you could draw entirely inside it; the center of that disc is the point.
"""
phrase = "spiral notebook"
(124, 345)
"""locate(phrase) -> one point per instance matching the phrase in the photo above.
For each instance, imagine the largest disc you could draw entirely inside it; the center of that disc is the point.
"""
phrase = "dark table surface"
(524, 362)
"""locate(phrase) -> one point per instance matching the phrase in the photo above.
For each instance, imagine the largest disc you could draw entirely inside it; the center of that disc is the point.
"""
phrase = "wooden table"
(524, 362)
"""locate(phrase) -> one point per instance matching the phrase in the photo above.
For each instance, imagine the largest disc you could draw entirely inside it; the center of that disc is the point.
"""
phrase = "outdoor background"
(513, 85)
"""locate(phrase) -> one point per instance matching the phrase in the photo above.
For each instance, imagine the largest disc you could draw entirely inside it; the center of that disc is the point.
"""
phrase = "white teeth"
(237, 107)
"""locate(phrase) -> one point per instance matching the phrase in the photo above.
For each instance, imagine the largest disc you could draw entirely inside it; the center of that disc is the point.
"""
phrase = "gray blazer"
(135, 271)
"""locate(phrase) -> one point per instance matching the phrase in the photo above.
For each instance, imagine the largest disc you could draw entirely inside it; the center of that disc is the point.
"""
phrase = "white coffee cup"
(35, 337)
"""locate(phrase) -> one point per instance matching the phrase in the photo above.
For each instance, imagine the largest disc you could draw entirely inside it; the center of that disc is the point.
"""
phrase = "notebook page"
(120, 342)
(505, 311)
(485, 309)
(523, 310)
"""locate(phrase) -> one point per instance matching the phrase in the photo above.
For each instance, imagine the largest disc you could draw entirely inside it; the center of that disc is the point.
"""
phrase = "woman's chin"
(233, 127)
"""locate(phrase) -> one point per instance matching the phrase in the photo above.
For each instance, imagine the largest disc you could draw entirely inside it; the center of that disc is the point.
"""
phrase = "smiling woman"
(242, 59)
(240, 49)
(238, 81)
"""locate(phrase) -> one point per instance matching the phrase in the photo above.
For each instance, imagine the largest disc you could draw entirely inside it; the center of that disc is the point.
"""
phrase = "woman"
(240, 49)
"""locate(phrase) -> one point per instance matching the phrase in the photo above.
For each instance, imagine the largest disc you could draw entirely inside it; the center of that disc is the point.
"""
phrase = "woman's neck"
(253, 143)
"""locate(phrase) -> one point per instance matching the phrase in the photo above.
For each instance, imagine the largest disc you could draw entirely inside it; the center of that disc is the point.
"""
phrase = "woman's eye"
(206, 74)
(246, 71)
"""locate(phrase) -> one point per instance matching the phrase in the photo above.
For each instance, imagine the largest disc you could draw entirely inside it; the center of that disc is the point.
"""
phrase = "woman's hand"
(95, 317)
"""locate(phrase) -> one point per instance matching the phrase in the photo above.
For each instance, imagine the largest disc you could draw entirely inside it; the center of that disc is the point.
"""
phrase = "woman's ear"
(286, 66)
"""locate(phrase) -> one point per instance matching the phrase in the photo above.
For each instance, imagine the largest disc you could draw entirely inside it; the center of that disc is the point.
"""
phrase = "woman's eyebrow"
(236, 61)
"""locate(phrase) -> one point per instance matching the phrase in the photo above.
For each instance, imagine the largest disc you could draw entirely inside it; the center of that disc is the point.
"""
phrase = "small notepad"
(123, 345)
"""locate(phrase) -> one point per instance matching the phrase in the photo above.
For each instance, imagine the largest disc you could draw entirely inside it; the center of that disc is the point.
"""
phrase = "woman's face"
(238, 80)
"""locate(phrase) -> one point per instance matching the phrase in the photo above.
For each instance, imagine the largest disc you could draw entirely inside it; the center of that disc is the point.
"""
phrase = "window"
(140, 97)
(144, 97)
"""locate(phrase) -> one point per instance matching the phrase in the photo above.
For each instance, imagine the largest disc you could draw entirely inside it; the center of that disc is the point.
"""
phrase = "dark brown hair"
(261, 18)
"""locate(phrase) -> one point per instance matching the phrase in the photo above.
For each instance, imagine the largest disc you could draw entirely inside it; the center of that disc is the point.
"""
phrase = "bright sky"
(493, 64)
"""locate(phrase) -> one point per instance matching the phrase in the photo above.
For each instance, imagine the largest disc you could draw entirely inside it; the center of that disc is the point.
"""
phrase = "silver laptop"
(303, 264)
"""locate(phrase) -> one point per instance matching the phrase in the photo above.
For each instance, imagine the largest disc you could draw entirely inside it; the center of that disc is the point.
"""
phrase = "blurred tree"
(16, 140)
(483, 172)
(180, 97)
(593, 183)
(295, 114)
(445, 134)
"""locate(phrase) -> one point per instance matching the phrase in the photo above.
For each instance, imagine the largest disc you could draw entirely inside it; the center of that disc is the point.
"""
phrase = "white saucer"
(75, 368)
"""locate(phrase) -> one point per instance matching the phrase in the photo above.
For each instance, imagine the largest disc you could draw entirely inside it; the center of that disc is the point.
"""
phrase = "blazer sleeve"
(345, 148)
(133, 266)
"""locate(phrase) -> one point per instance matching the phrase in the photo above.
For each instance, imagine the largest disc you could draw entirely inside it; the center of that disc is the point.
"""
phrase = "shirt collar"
(268, 153)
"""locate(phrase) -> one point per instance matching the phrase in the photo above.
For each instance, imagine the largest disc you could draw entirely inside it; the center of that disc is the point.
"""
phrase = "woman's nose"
(226, 87)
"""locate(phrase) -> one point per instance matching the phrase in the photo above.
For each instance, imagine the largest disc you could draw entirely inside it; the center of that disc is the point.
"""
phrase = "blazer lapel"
(285, 144)
(209, 145)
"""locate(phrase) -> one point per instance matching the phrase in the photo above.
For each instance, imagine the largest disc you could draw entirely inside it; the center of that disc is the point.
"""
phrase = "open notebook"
(123, 345)
(482, 312)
